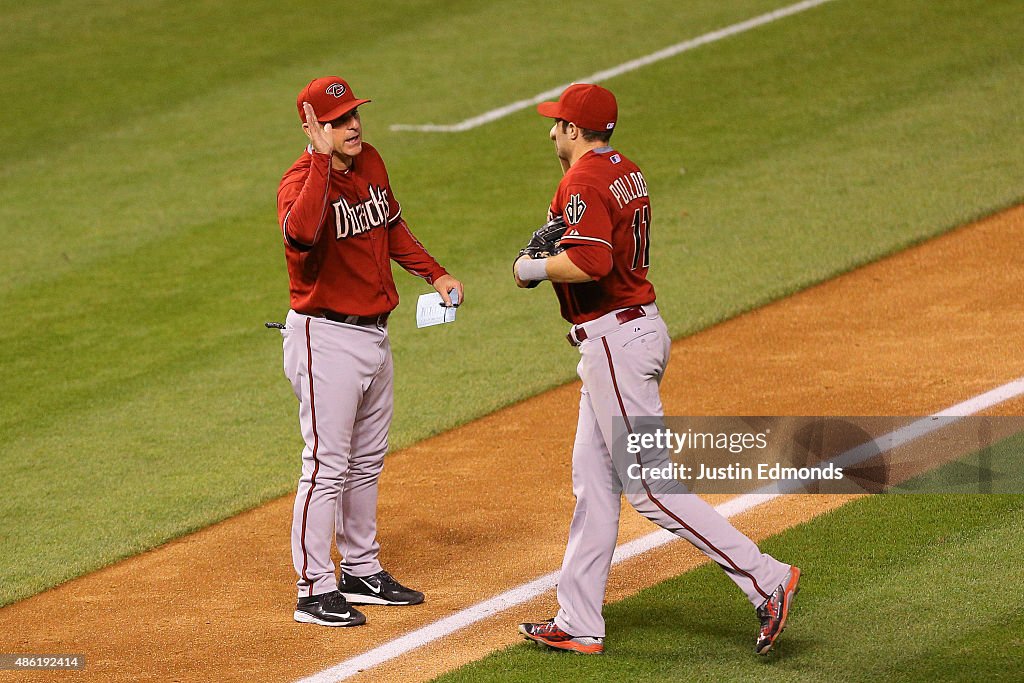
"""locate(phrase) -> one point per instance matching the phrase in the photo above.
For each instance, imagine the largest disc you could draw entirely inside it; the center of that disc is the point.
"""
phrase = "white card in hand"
(431, 311)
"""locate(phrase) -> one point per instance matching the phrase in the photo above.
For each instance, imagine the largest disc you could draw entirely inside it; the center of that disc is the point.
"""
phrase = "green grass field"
(142, 145)
(892, 590)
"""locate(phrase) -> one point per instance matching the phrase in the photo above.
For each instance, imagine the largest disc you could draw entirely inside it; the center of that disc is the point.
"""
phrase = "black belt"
(624, 316)
(363, 320)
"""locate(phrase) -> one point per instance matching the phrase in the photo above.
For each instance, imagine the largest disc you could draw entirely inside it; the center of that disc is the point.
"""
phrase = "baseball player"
(342, 225)
(601, 283)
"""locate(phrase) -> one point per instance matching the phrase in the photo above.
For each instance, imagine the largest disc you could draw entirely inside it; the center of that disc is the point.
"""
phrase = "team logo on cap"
(336, 89)
(610, 126)
(574, 209)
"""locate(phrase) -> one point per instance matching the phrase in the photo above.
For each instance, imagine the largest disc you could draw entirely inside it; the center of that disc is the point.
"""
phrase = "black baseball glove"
(544, 243)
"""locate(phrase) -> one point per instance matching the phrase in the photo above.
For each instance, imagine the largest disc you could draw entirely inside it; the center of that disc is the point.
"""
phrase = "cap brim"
(549, 109)
(341, 110)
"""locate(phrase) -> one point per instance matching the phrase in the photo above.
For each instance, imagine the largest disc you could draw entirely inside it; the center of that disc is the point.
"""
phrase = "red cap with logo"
(330, 98)
(588, 106)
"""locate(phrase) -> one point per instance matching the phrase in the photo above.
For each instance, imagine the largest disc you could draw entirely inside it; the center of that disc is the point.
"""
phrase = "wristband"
(533, 269)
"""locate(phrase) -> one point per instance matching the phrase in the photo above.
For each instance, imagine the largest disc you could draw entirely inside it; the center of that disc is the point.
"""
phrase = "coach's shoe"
(774, 611)
(377, 589)
(548, 633)
(328, 609)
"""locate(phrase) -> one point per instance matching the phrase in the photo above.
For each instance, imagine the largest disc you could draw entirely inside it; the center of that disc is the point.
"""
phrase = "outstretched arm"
(409, 253)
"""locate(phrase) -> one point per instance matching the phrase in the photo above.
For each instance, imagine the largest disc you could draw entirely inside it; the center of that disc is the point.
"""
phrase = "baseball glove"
(543, 243)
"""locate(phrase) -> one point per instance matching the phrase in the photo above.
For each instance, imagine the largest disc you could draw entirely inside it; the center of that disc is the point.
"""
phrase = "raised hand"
(321, 136)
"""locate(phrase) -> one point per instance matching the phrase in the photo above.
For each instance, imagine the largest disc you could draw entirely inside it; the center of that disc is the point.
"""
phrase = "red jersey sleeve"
(592, 259)
(302, 200)
(587, 219)
(394, 206)
(408, 252)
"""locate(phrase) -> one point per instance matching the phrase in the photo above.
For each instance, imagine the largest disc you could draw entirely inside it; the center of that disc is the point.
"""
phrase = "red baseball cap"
(588, 106)
(330, 98)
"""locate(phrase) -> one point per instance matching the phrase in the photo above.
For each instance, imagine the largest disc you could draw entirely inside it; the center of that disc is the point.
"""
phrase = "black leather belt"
(624, 316)
(363, 320)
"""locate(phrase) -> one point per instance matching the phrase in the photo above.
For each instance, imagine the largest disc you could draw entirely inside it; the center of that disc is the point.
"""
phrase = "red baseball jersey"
(603, 199)
(341, 229)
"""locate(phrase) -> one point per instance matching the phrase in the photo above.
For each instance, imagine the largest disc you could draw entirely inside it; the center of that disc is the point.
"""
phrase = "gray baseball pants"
(621, 373)
(342, 376)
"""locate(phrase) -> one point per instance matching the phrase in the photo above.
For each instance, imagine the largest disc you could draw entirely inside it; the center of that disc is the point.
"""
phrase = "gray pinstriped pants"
(342, 376)
(621, 373)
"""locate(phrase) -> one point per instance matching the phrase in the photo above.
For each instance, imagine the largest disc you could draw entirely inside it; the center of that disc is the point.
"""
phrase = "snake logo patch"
(574, 209)
(336, 89)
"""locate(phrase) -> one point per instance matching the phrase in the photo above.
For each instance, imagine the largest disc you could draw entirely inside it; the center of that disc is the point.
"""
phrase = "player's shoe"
(377, 589)
(548, 633)
(775, 610)
(328, 609)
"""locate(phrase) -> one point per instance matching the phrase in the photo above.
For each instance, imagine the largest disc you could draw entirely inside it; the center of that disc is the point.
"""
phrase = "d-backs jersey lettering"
(341, 229)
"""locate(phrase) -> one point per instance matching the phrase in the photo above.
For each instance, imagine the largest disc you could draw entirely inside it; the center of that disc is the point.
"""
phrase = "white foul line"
(625, 67)
(527, 591)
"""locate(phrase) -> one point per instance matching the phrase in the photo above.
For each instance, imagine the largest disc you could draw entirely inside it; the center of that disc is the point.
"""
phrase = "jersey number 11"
(642, 237)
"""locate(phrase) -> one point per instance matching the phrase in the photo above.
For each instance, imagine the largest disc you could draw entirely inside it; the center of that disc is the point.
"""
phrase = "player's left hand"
(444, 285)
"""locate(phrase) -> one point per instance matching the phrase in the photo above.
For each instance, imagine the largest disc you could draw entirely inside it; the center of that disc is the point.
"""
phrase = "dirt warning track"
(486, 507)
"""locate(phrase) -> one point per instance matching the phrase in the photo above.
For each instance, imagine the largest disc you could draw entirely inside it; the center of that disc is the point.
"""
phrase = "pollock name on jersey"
(628, 187)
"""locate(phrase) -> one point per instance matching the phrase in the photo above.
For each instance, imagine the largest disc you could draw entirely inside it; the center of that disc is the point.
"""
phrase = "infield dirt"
(485, 507)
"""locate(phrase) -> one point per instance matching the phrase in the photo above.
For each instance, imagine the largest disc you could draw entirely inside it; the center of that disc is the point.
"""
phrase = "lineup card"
(431, 311)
